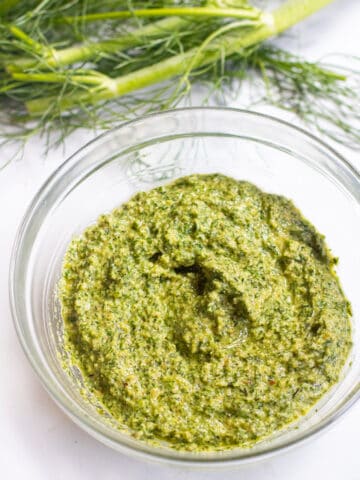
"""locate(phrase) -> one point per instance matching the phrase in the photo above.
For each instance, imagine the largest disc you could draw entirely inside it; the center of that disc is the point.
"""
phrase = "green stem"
(252, 13)
(21, 35)
(47, 77)
(87, 51)
(42, 50)
(274, 23)
(294, 11)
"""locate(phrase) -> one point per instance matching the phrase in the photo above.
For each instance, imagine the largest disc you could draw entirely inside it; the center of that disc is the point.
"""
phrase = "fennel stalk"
(74, 65)
(269, 25)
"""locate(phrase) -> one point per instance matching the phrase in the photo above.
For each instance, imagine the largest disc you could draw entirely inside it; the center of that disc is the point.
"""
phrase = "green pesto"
(205, 313)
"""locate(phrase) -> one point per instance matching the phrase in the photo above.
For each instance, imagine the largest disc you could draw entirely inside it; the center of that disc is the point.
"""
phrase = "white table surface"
(37, 441)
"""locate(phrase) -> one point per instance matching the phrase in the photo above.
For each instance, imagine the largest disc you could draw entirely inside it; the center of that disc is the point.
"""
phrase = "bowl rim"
(83, 422)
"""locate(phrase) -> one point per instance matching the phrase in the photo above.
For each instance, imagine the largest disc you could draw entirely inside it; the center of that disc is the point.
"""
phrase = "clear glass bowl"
(145, 153)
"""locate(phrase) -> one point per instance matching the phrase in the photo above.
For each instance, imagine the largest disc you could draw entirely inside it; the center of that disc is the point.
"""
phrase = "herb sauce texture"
(204, 313)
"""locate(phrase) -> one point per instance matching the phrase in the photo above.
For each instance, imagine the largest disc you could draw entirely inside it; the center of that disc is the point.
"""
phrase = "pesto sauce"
(205, 313)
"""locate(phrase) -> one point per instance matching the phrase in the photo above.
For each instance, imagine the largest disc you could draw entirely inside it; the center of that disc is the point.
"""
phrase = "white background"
(37, 441)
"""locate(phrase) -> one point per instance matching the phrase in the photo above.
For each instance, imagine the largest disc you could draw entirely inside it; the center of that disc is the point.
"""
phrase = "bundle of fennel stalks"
(93, 63)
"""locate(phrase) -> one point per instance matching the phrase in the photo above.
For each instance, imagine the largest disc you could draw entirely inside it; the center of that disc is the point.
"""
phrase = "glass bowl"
(145, 153)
